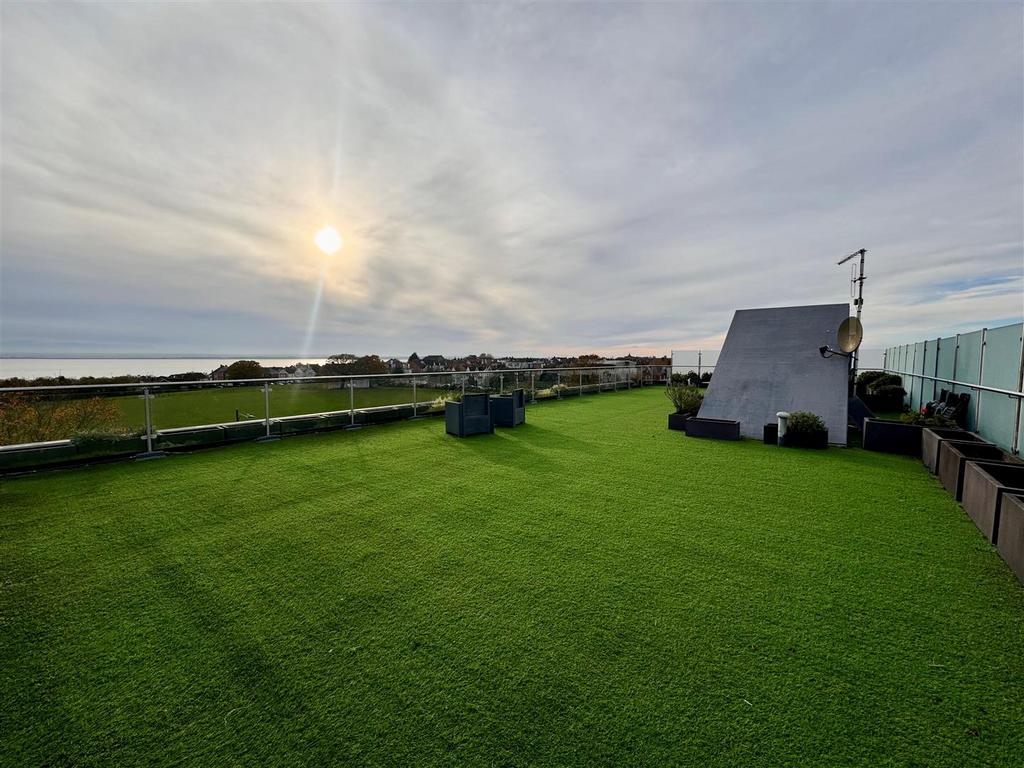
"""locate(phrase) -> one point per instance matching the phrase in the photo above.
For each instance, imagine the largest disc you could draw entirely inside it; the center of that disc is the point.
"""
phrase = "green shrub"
(922, 420)
(685, 399)
(804, 423)
(889, 391)
(867, 377)
(883, 381)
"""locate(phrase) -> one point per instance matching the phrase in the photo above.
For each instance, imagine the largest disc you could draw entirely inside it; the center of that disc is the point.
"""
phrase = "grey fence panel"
(968, 369)
(996, 413)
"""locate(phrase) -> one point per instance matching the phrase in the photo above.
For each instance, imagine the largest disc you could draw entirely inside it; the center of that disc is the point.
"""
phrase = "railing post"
(581, 382)
(935, 373)
(981, 379)
(1015, 444)
(351, 402)
(414, 397)
(266, 407)
(149, 421)
(501, 383)
(558, 385)
(463, 386)
(533, 387)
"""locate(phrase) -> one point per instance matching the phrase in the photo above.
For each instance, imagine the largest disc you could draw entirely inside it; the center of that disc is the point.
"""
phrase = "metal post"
(1015, 446)
(913, 376)
(414, 398)
(699, 356)
(351, 402)
(580, 374)
(464, 386)
(501, 384)
(533, 387)
(149, 421)
(981, 379)
(150, 453)
(938, 352)
(266, 406)
(558, 385)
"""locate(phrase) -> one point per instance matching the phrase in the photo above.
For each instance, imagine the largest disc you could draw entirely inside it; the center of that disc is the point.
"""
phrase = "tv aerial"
(851, 327)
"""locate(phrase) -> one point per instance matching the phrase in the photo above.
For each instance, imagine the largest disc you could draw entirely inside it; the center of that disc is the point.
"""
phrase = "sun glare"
(328, 240)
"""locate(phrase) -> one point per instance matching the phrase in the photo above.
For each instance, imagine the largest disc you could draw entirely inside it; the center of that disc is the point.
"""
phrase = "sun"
(328, 240)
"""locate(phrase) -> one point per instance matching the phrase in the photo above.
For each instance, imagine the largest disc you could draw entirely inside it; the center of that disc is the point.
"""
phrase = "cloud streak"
(510, 178)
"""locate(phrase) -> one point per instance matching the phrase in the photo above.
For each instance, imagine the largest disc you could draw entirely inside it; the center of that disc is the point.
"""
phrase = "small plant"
(804, 423)
(686, 399)
(925, 420)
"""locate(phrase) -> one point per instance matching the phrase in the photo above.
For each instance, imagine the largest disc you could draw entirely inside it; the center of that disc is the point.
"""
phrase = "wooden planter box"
(1011, 533)
(716, 429)
(678, 421)
(985, 483)
(817, 440)
(892, 437)
(931, 439)
(953, 458)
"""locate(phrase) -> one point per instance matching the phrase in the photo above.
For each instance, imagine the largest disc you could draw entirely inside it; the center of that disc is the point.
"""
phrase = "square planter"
(716, 429)
(1011, 533)
(985, 483)
(953, 458)
(892, 437)
(932, 437)
(817, 440)
(678, 421)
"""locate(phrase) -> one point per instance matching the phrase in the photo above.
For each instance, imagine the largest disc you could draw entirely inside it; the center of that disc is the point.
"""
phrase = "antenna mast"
(859, 301)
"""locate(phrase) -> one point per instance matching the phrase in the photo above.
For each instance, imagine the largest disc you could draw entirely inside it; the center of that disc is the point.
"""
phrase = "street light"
(328, 240)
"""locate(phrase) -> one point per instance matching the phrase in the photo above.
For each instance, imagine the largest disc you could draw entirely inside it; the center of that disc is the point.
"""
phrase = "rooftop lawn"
(588, 589)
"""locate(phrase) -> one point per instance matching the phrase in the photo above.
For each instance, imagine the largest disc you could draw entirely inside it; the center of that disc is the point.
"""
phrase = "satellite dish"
(850, 334)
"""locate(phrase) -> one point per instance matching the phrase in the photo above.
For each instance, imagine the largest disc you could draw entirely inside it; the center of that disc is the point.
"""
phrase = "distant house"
(434, 363)
(273, 372)
(396, 366)
(220, 374)
(303, 370)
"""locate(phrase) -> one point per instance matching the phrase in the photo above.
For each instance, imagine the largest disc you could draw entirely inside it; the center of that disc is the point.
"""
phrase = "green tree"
(366, 365)
(244, 369)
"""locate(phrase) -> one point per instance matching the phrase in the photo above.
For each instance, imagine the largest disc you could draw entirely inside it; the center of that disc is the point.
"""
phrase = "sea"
(77, 367)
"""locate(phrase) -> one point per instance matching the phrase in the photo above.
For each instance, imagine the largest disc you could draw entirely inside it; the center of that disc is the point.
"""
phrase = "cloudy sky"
(507, 178)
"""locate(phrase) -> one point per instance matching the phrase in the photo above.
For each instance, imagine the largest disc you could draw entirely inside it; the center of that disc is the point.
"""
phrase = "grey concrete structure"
(933, 437)
(953, 458)
(770, 363)
(985, 484)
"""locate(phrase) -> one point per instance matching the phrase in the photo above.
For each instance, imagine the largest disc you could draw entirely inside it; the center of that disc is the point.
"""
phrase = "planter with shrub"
(805, 430)
(887, 436)
(884, 393)
(686, 400)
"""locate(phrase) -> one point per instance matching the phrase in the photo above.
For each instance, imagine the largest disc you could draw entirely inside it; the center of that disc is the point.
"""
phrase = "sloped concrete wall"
(770, 363)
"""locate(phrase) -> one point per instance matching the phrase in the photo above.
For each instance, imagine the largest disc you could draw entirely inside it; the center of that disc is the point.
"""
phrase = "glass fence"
(54, 424)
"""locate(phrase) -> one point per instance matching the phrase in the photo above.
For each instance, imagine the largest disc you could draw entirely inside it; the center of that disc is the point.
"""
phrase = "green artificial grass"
(588, 589)
(215, 405)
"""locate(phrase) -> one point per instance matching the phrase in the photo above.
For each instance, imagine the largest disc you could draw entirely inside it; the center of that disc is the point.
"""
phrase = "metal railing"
(540, 383)
(1016, 395)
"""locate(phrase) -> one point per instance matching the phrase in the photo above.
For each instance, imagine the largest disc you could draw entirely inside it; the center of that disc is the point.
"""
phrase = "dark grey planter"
(297, 425)
(109, 445)
(716, 429)
(985, 483)
(245, 430)
(509, 410)
(469, 416)
(770, 434)
(188, 437)
(892, 437)
(30, 455)
(932, 437)
(678, 421)
(817, 440)
(1011, 533)
(953, 457)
